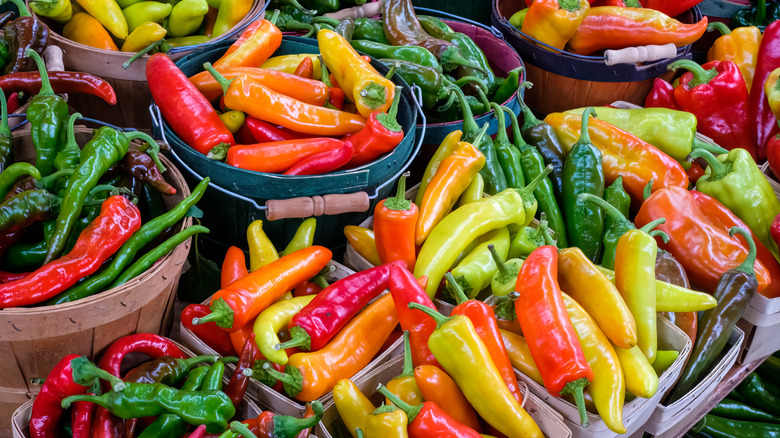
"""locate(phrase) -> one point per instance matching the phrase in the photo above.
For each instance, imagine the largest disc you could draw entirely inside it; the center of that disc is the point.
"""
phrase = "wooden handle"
(365, 10)
(53, 57)
(633, 55)
(316, 206)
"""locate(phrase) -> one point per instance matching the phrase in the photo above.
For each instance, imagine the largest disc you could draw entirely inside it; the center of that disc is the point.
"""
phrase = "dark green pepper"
(48, 115)
(415, 54)
(508, 155)
(760, 393)
(23, 255)
(370, 30)
(26, 208)
(770, 369)
(734, 292)
(9, 176)
(345, 28)
(166, 370)
(583, 173)
(508, 86)
(619, 225)
(735, 410)
(718, 427)
(616, 196)
(5, 54)
(69, 156)
(6, 138)
(322, 6)
(760, 15)
(533, 165)
(429, 79)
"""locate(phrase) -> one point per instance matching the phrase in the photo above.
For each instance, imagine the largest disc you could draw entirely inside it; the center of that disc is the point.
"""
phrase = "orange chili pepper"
(235, 305)
(296, 87)
(278, 156)
(438, 387)
(252, 97)
(255, 45)
(233, 266)
(394, 222)
(305, 69)
(348, 352)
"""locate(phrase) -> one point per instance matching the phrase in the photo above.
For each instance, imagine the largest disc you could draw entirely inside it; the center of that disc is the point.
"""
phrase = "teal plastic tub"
(237, 197)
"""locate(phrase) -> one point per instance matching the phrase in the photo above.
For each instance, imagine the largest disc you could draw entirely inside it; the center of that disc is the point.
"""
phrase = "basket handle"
(303, 207)
(365, 10)
(633, 55)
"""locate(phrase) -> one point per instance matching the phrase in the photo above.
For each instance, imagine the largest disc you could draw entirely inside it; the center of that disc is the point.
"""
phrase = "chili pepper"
(144, 34)
(661, 95)
(554, 22)
(394, 225)
(233, 120)
(477, 269)
(11, 173)
(387, 420)
(370, 30)
(108, 13)
(186, 17)
(150, 258)
(758, 14)
(306, 90)
(620, 225)
(739, 46)
(735, 410)
(363, 242)
(381, 134)
(303, 238)
(288, 63)
(760, 392)
(439, 388)
(184, 108)
(60, 11)
(508, 87)
(612, 27)
(504, 279)
(520, 355)
(22, 34)
(447, 146)
(712, 425)
(352, 405)
(667, 8)
(261, 250)
(216, 339)
(508, 155)
(759, 109)
(269, 424)
(641, 378)
(721, 82)
(83, 28)
(542, 136)
(769, 367)
(305, 69)
(146, 343)
(236, 387)
(279, 156)
(6, 138)
(413, 54)
(263, 132)
(734, 292)
(68, 157)
(404, 385)
(272, 320)
(61, 82)
(451, 177)
(253, 47)
(473, 192)
(167, 370)
(348, 352)
(553, 343)
(405, 289)
(429, 79)
(323, 162)
(230, 14)
(668, 269)
(141, 166)
(616, 196)
(664, 359)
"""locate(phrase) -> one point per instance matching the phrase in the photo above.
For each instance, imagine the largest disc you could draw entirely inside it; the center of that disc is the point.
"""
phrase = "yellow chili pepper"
(108, 13)
(143, 12)
(232, 120)
(641, 379)
(288, 63)
(474, 191)
(476, 271)
(60, 11)
(261, 250)
(404, 385)
(230, 13)
(664, 359)
(739, 46)
(142, 36)
(387, 421)
(520, 355)
(85, 29)
(362, 84)
(582, 280)
(353, 407)
(304, 236)
(271, 321)
(362, 241)
(607, 386)
(446, 147)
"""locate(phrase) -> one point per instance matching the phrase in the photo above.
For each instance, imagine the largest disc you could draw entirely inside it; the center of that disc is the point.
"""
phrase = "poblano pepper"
(508, 87)
(508, 155)
(429, 79)
(370, 30)
(616, 196)
(48, 115)
(415, 54)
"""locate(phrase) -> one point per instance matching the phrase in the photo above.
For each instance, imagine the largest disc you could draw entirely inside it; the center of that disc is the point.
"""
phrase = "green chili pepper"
(715, 426)
(292, 7)
(533, 165)
(735, 410)
(47, 114)
(166, 370)
(770, 369)
(429, 79)
(734, 292)
(508, 86)
(583, 173)
(106, 147)
(303, 238)
(322, 6)
(23, 255)
(542, 136)
(127, 252)
(414, 54)
(760, 393)
(503, 281)
(213, 380)
(527, 239)
(186, 17)
(9, 176)
(616, 196)
(475, 272)
(6, 137)
(508, 155)
(212, 408)
(26, 208)
(455, 112)
(370, 30)
(618, 227)
(153, 202)
(69, 156)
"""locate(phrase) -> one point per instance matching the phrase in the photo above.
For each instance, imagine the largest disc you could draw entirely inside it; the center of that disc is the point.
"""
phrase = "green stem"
(700, 144)
(497, 258)
(46, 89)
(483, 99)
(292, 383)
(584, 134)
(221, 80)
(501, 119)
(575, 388)
(460, 296)
(700, 75)
(718, 170)
(241, 429)
(480, 136)
(411, 411)
(463, 80)
(543, 225)
(661, 234)
(85, 371)
(517, 138)
(4, 128)
(100, 400)
(391, 72)
(320, 281)
(408, 369)
(142, 52)
(650, 225)
(469, 124)
(390, 119)
(153, 149)
(569, 5)
(615, 214)
(760, 12)
(719, 26)
(433, 313)
(529, 119)
(274, 17)
(750, 260)
(47, 181)
(399, 201)
(23, 11)
(298, 338)
(221, 314)
(287, 426)
(648, 190)
(527, 192)
(359, 433)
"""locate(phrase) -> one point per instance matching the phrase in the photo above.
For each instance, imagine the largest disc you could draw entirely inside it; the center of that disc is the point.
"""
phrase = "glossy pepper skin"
(61, 82)
(760, 392)
(109, 14)
(759, 110)
(429, 79)
(184, 107)
(713, 425)
(475, 272)
(273, 320)
(463, 354)
(614, 27)
(583, 173)
(668, 269)
(60, 11)
(142, 36)
(85, 29)
(146, 343)
(541, 135)
(736, 410)
(252, 48)
(186, 17)
(353, 406)
(363, 242)
(24, 33)
(381, 135)
(209, 333)
(616, 196)
(520, 355)
(548, 330)
(405, 289)
(230, 13)
(305, 90)
(280, 156)
(323, 162)
(715, 94)
(554, 22)
(661, 95)
(736, 181)
(394, 223)
(508, 155)
(739, 46)
(438, 387)
(445, 148)
(413, 54)
(404, 385)
(47, 113)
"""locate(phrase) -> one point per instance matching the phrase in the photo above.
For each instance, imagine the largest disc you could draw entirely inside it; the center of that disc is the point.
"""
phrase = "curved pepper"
(143, 35)
(230, 13)
(86, 29)
(641, 378)
(438, 387)
(427, 419)
(405, 289)
(739, 46)
(352, 405)
(305, 90)
(554, 22)
(47, 113)
(186, 17)
(446, 147)
(108, 13)
(271, 321)
(288, 63)
(476, 270)
(252, 48)
(60, 11)
(363, 242)
(381, 134)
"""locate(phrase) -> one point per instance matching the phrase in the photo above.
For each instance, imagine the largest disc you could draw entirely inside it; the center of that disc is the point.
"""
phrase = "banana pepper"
(142, 36)
(108, 13)
(447, 146)
(288, 63)
(230, 13)
(60, 11)
(554, 22)
(144, 12)
(475, 272)
(86, 29)
(352, 405)
(261, 250)
(271, 321)
(186, 17)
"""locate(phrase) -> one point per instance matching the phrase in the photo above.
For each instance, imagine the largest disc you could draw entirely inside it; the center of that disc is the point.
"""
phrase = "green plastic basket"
(236, 197)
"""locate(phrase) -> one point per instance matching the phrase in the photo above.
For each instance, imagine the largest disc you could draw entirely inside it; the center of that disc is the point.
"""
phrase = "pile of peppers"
(69, 223)
(169, 395)
(277, 121)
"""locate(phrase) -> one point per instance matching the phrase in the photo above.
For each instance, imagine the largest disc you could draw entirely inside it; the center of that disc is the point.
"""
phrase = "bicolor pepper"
(86, 29)
(381, 134)
(554, 22)
(109, 14)
(739, 46)
(438, 387)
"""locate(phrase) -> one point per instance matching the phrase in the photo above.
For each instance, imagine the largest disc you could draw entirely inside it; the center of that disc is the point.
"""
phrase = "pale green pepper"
(503, 282)
(186, 17)
(476, 271)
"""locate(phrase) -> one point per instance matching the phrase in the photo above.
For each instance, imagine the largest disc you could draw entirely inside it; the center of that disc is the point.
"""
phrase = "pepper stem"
(299, 337)
(469, 124)
(719, 26)
(517, 138)
(85, 371)
(433, 313)
(648, 190)
(527, 192)
(760, 12)
(153, 149)
(661, 234)
(373, 95)
(47, 181)
(71, 136)
(390, 119)
(274, 17)
(399, 201)
(393, 68)
(529, 118)
(650, 225)
(241, 429)
(711, 147)
(5, 130)
(501, 119)
(700, 75)
(221, 80)
(23, 11)
(142, 52)
(359, 432)
(100, 400)
(451, 58)
(569, 5)
(483, 99)
(320, 281)
(463, 80)
(292, 380)
(615, 214)
(411, 411)
(718, 170)
(544, 226)
(408, 369)
(287, 426)
(502, 270)
(324, 72)
(460, 296)
(221, 314)
(46, 89)
(257, 372)
(575, 388)
(584, 134)
(750, 260)
(504, 307)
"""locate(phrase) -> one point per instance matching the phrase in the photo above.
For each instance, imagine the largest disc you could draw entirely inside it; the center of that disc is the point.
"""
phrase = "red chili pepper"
(429, 420)
(484, 320)
(717, 95)
(307, 288)
(216, 338)
(200, 432)
(236, 387)
(381, 134)
(233, 267)
(661, 95)
(13, 102)
(551, 338)
(118, 220)
(264, 132)
(760, 113)
(405, 289)
(305, 69)
(107, 425)
(61, 81)
(238, 338)
(695, 172)
(244, 135)
(278, 156)
(46, 410)
(190, 115)
(81, 419)
(145, 343)
(332, 309)
(5, 277)
(336, 97)
(323, 162)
